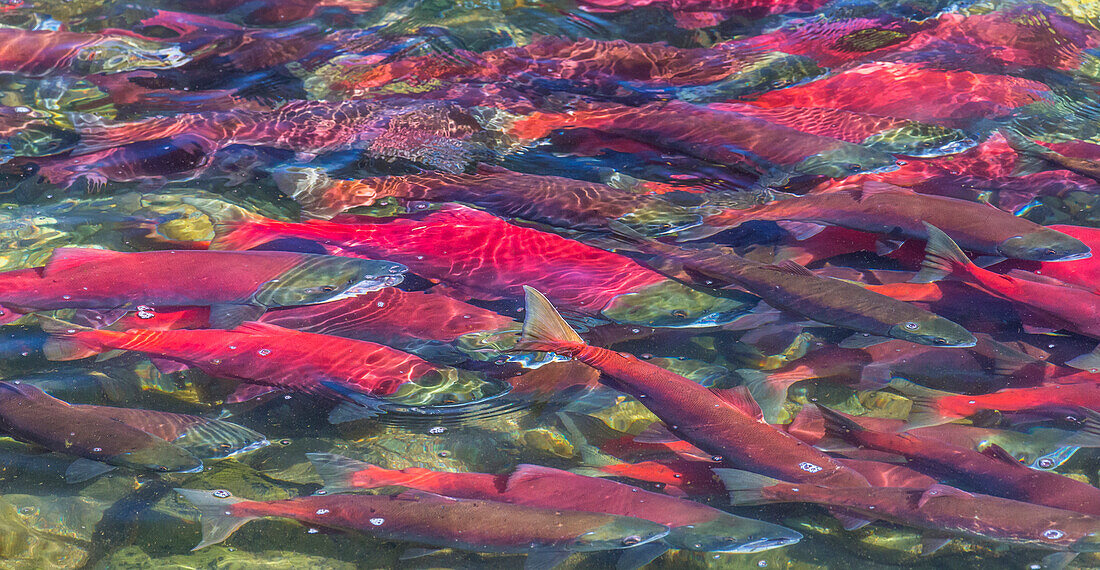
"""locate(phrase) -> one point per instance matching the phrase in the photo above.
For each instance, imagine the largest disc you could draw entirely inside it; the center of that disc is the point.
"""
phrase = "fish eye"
(911, 325)
(855, 167)
(632, 540)
(1051, 252)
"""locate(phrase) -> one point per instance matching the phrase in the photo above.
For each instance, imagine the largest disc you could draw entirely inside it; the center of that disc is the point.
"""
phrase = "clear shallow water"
(496, 145)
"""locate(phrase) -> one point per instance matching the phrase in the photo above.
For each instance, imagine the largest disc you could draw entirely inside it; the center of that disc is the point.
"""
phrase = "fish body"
(992, 471)
(85, 278)
(792, 287)
(205, 438)
(46, 52)
(939, 508)
(482, 526)
(480, 255)
(86, 432)
(723, 423)
(263, 354)
(552, 200)
(888, 210)
(694, 526)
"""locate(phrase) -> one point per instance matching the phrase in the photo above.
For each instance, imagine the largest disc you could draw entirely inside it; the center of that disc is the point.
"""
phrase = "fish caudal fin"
(68, 341)
(837, 424)
(924, 412)
(342, 474)
(543, 327)
(308, 187)
(234, 227)
(942, 257)
(769, 390)
(746, 488)
(217, 524)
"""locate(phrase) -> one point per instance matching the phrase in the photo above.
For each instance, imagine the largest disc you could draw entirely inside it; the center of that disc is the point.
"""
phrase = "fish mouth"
(1074, 257)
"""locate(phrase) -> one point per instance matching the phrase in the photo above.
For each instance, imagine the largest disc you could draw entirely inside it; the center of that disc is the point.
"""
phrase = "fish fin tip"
(1057, 561)
(768, 392)
(794, 268)
(929, 545)
(741, 398)
(848, 520)
(1089, 361)
(543, 327)
(64, 343)
(546, 560)
(638, 556)
(216, 524)
(745, 487)
(83, 470)
(801, 231)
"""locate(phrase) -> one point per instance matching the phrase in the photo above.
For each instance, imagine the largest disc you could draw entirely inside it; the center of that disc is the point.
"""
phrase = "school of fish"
(550, 284)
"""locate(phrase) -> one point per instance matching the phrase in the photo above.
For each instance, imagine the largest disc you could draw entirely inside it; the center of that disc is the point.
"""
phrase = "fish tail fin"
(234, 227)
(769, 390)
(745, 487)
(942, 257)
(342, 474)
(308, 186)
(543, 328)
(924, 411)
(69, 341)
(217, 524)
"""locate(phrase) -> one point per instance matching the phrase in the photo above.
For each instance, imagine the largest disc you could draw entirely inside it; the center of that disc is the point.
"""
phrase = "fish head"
(1044, 244)
(160, 458)
(733, 535)
(620, 532)
(846, 160)
(920, 139)
(326, 278)
(934, 331)
(654, 222)
(121, 54)
(674, 305)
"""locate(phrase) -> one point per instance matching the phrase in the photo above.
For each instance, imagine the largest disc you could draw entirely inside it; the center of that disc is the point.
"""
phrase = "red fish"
(44, 52)
(480, 255)
(833, 43)
(546, 535)
(234, 284)
(939, 508)
(726, 424)
(694, 526)
(992, 471)
(552, 200)
(693, 14)
(270, 356)
(950, 98)
(679, 477)
(932, 407)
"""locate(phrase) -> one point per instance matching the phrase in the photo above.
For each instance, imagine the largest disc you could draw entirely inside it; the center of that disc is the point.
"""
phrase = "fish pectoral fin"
(862, 340)
(801, 230)
(166, 366)
(84, 469)
(849, 520)
(930, 544)
(353, 411)
(411, 553)
(740, 398)
(886, 246)
(1088, 361)
(1057, 561)
(545, 560)
(98, 318)
(638, 556)
(230, 315)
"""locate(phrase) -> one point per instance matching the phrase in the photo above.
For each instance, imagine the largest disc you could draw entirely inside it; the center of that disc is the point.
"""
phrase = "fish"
(45, 52)
(547, 536)
(233, 284)
(933, 407)
(724, 423)
(269, 358)
(895, 213)
(552, 200)
(791, 287)
(991, 471)
(939, 509)
(1062, 305)
(1083, 273)
(478, 255)
(692, 14)
(694, 526)
(717, 135)
(434, 133)
(678, 477)
(951, 98)
(88, 433)
(205, 438)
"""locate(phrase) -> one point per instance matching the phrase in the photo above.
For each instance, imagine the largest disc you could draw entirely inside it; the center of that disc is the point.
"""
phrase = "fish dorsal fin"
(997, 452)
(939, 491)
(808, 424)
(740, 398)
(526, 474)
(31, 392)
(256, 327)
(656, 433)
(68, 258)
(793, 267)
